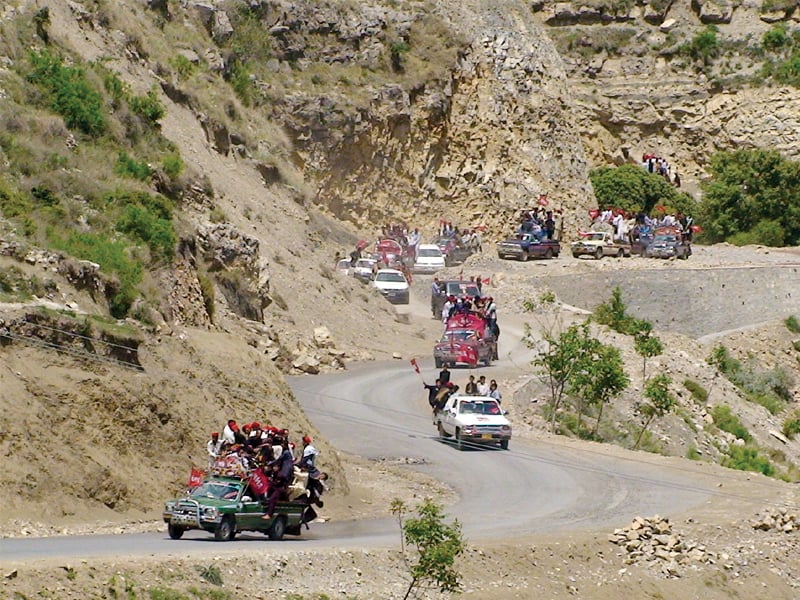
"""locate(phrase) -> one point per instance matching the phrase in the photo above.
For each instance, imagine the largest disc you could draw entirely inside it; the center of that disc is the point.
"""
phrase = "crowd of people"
(660, 166)
(440, 391)
(539, 222)
(288, 474)
(628, 228)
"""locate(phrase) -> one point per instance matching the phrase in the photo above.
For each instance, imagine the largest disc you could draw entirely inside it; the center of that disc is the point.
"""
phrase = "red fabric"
(542, 200)
(415, 365)
(696, 228)
(196, 478)
(259, 482)
(594, 213)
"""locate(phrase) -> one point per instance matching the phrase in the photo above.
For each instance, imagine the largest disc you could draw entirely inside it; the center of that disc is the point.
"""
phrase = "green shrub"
(692, 453)
(765, 233)
(116, 88)
(211, 574)
(112, 258)
(727, 421)
(773, 403)
(148, 107)
(704, 46)
(792, 324)
(747, 459)
(182, 65)
(173, 165)
(698, 392)
(144, 225)
(69, 93)
(633, 189)
(131, 168)
(207, 291)
(614, 314)
(240, 80)
(791, 425)
(775, 38)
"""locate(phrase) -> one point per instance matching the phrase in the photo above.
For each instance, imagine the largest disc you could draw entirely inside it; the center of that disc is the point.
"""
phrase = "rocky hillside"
(680, 79)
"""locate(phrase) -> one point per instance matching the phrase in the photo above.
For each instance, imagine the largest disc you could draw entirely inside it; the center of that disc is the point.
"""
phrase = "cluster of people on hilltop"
(440, 391)
(660, 166)
(539, 222)
(266, 451)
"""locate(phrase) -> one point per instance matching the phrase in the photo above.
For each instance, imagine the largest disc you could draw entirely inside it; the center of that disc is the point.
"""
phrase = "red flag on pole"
(196, 478)
(414, 364)
(696, 228)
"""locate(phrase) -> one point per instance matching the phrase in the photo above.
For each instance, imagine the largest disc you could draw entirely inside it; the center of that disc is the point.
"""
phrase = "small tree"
(647, 346)
(599, 379)
(436, 544)
(560, 357)
(659, 402)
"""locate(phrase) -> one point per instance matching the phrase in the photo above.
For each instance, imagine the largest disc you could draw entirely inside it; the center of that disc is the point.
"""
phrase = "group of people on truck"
(539, 222)
(264, 452)
(631, 228)
(440, 391)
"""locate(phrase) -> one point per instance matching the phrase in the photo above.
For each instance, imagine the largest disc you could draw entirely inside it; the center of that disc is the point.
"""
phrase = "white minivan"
(429, 259)
(393, 285)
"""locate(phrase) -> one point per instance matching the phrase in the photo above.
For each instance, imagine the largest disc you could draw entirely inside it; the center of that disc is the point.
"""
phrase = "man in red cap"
(307, 461)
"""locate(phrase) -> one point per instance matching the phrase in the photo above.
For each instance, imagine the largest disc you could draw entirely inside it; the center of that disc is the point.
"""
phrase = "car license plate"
(486, 436)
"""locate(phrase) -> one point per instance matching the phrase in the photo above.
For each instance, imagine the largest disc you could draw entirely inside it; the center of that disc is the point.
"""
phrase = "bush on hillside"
(752, 193)
(727, 421)
(748, 459)
(68, 92)
(633, 189)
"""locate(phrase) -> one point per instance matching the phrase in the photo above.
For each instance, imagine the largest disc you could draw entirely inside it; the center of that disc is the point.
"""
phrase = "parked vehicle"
(467, 340)
(429, 259)
(526, 245)
(474, 420)
(364, 269)
(640, 239)
(454, 252)
(453, 287)
(393, 285)
(599, 244)
(669, 242)
(226, 506)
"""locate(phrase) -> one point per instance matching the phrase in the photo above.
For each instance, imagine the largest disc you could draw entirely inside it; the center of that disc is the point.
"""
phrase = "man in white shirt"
(483, 387)
(213, 447)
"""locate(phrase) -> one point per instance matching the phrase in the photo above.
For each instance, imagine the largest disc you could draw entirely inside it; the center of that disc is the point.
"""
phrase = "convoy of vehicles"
(226, 506)
(473, 420)
(454, 251)
(364, 269)
(526, 245)
(599, 244)
(459, 288)
(393, 285)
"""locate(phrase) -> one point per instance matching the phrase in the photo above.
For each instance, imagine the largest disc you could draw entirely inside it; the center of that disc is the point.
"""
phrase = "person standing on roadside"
(444, 375)
(471, 389)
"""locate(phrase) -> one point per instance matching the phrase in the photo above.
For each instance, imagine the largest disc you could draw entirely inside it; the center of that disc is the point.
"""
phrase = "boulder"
(306, 363)
(714, 11)
(322, 337)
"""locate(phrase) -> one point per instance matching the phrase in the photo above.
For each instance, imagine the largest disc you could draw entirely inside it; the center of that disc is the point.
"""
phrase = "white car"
(393, 285)
(474, 420)
(343, 266)
(429, 259)
(363, 269)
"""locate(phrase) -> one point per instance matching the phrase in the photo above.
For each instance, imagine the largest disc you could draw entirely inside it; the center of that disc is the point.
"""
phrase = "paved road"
(379, 410)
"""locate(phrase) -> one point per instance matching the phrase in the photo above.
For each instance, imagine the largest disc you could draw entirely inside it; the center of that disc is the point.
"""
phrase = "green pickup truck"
(223, 506)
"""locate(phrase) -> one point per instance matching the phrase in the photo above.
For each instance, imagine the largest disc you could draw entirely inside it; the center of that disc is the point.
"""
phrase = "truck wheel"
(226, 530)
(621, 253)
(459, 440)
(504, 444)
(175, 532)
(277, 529)
(575, 255)
(598, 254)
(548, 253)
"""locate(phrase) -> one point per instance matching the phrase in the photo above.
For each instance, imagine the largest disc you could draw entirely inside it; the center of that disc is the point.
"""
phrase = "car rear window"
(391, 277)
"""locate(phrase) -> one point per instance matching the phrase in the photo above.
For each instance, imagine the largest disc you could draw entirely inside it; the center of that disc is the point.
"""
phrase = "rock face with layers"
(474, 144)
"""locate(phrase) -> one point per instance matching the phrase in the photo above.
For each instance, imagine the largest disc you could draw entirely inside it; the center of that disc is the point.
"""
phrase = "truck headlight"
(210, 513)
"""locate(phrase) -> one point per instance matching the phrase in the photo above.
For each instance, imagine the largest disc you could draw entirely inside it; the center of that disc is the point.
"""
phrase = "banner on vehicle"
(259, 482)
(196, 478)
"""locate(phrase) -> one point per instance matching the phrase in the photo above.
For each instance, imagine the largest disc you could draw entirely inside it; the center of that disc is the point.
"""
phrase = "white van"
(429, 259)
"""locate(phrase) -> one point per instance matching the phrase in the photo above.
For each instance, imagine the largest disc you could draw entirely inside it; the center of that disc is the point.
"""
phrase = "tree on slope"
(657, 403)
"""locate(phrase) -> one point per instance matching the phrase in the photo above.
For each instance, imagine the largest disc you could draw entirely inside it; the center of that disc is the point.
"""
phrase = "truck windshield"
(219, 490)
(479, 407)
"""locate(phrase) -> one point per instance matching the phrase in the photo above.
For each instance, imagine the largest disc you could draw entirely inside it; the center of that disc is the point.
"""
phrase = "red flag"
(594, 213)
(415, 365)
(196, 478)
(259, 482)
(542, 200)
(696, 228)
(660, 208)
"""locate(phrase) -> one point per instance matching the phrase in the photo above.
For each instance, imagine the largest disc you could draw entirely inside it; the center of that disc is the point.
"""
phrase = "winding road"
(379, 410)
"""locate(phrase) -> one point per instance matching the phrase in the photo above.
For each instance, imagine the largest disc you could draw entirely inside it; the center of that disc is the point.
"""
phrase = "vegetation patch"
(791, 425)
(633, 189)
(745, 458)
(698, 392)
(727, 421)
